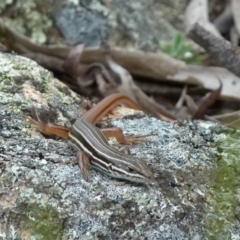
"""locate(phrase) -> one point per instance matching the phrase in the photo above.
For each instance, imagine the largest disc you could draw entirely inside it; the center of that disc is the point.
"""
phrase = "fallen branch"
(155, 66)
(125, 84)
(222, 52)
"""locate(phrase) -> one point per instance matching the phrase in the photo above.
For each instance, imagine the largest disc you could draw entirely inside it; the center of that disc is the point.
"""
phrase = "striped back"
(88, 138)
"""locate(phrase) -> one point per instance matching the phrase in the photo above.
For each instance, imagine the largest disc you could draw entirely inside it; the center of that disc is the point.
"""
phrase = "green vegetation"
(181, 50)
(42, 221)
(224, 200)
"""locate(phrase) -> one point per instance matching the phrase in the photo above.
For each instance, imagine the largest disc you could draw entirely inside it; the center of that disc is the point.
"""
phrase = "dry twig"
(209, 100)
(223, 53)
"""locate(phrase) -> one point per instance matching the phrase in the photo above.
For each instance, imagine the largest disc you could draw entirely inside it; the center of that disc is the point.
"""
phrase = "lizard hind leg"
(83, 163)
(49, 129)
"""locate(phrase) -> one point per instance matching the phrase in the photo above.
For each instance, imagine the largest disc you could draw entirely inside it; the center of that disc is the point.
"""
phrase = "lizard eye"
(130, 169)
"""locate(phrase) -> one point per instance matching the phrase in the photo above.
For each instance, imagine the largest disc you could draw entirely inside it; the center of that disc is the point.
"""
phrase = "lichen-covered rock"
(134, 24)
(43, 194)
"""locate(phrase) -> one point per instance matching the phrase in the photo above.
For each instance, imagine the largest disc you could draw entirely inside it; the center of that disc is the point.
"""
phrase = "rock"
(128, 24)
(133, 24)
(43, 194)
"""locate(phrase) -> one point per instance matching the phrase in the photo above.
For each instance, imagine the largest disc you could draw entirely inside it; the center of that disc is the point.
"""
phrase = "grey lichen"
(27, 16)
(131, 28)
(4, 4)
(79, 26)
(42, 188)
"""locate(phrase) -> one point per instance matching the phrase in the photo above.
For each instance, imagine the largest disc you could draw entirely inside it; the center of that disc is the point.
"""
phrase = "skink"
(92, 146)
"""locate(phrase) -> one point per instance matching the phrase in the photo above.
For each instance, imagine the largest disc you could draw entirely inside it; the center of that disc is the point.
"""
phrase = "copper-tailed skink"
(93, 148)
